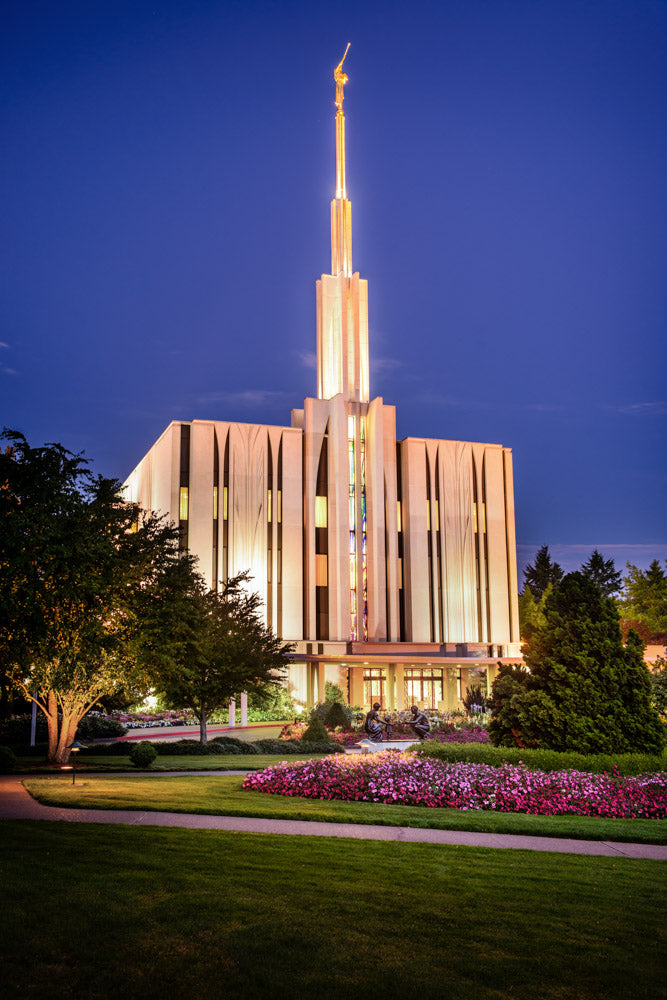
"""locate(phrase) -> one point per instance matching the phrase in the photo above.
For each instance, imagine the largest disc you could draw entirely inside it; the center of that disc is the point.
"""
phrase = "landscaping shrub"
(143, 754)
(229, 744)
(543, 760)
(7, 760)
(337, 716)
(98, 727)
(316, 732)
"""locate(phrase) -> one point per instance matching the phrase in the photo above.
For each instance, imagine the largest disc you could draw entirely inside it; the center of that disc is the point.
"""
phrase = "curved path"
(17, 803)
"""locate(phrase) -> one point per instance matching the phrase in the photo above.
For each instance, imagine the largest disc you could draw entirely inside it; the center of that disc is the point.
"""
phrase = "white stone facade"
(391, 564)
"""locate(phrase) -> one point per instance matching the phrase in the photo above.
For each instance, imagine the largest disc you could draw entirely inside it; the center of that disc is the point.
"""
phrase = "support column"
(450, 684)
(232, 712)
(244, 708)
(309, 685)
(465, 680)
(391, 686)
(400, 687)
(320, 682)
(356, 685)
(491, 674)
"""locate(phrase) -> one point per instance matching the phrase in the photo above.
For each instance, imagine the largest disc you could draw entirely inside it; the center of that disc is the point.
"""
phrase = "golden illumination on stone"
(342, 296)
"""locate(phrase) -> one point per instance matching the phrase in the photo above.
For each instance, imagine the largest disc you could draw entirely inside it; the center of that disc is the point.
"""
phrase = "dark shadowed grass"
(93, 912)
(223, 795)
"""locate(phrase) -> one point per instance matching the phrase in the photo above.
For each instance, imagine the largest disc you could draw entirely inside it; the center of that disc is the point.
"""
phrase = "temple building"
(391, 564)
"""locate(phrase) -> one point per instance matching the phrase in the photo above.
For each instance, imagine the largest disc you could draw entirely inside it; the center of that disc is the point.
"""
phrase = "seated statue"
(419, 723)
(373, 724)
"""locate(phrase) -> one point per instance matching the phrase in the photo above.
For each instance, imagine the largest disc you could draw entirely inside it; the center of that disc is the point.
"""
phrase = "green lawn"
(220, 795)
(168, 762)
(92, 912)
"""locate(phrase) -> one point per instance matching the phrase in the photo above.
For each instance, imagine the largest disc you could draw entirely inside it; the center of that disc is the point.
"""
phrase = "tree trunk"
(52, 727)
(202, 726)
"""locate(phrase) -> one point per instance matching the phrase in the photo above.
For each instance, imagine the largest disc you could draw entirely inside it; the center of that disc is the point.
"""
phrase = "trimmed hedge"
(220, 745)
(544, 760)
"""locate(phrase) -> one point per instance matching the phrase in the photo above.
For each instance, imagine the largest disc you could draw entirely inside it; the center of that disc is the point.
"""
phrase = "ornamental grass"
(391, 777)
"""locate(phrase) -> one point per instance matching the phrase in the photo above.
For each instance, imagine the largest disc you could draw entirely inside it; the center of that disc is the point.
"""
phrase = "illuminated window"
(183, 504)
(225, 492)
(269, 506)
(320, 512)
(437, 516)
(399, 523)
(480, 521)
(351, 428)
(215, 503)
(280, 506)
(400, 573)
(320, 571)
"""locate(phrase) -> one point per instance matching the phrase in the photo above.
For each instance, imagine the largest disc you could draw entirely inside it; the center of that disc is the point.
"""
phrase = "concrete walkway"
(16, 803)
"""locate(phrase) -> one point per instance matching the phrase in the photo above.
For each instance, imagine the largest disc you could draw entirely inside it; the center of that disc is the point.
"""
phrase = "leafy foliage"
(644, 596)
(222, 645)
(544, 760)
(337, 716)
(315, 732)
(584, 690)
(79, 570)
(143, 754)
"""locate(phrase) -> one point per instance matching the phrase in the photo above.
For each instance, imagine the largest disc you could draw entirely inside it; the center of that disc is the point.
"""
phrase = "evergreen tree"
(543, 572)
(603, 572)
(585, 690)
(644, 597)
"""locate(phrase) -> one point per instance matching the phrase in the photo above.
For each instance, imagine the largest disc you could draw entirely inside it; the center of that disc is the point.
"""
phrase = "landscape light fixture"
(75, 747)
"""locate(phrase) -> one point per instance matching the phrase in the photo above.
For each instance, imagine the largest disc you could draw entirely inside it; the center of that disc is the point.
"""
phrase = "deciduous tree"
(225, 648)
(644, 596)
(78, 569)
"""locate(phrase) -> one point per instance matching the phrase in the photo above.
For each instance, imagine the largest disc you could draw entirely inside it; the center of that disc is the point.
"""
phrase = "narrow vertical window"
(183, 504)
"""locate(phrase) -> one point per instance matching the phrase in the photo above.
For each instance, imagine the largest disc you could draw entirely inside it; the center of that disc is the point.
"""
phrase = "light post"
(75, 747)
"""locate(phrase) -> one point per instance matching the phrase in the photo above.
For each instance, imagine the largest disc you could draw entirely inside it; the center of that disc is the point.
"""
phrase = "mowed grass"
(92, 912)
(224, 796)
(170, 762)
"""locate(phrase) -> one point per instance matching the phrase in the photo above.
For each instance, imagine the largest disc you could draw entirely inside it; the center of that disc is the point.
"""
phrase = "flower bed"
(393, 778)
(445, 733)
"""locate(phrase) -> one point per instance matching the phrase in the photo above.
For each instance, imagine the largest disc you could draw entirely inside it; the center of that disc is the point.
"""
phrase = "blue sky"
(166, 181)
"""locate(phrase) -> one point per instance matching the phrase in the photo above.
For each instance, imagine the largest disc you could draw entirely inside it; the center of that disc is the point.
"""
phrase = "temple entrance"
(375, 686)
(423, 687)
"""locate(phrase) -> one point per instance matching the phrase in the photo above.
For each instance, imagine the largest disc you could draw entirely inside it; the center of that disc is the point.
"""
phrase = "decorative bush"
(7, 760)
(143, 754)
(98, 727)
(543, 760)
(397, 778)
(337, 716)
(316, 732)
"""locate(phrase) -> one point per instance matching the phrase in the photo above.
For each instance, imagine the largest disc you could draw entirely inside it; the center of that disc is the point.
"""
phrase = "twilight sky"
(166, 176)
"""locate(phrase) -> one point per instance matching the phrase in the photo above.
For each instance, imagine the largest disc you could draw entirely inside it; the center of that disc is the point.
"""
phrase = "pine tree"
(644, 597)
(542, 573)
(585, 690)
(603, 572)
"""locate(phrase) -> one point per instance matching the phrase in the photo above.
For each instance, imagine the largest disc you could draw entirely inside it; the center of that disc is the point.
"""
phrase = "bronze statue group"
(373, 724)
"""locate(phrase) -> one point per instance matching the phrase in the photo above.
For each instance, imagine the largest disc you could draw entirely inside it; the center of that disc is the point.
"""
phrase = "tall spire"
(342, 296)
(341, 209)
(341, 79)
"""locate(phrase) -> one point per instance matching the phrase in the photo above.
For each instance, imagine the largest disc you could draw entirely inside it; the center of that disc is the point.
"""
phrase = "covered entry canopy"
(395, 674)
